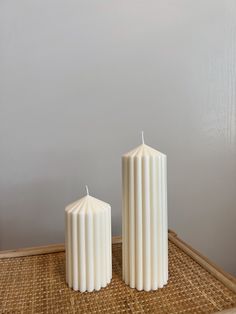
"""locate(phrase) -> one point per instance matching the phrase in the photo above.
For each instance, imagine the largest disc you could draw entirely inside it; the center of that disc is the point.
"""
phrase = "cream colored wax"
(144, 219)
(88, 244)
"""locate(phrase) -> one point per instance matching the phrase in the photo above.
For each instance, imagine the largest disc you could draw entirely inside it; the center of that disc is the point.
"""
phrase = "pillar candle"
(88, 244)
(144, 219)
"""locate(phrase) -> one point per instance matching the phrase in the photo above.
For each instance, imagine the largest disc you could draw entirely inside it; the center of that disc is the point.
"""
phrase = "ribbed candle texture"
(144, 219)
(88, 244)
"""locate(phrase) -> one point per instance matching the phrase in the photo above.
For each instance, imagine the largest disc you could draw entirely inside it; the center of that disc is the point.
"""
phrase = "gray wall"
(80, 79)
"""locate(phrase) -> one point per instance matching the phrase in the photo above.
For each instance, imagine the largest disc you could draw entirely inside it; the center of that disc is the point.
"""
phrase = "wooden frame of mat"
(228, 280)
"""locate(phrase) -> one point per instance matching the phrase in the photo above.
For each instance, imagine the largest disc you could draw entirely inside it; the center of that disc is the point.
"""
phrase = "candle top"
(85, 204)
(143, 150)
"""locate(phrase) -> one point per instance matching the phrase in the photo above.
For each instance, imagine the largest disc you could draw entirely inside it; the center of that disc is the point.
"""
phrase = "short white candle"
(88, 244)
(144, 218)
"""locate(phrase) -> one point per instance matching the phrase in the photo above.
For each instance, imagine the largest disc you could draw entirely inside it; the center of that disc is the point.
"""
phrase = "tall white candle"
(88, 244)
(144, 218)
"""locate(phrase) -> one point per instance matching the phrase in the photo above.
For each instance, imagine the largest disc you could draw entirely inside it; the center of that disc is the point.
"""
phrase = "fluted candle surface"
(144, 219)
(88, 244)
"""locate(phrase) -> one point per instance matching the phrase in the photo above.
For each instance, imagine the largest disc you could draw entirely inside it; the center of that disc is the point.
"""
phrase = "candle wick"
(87, 190)
(142, 137)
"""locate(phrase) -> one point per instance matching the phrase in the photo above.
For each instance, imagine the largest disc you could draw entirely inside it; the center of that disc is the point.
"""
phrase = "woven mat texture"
(36, 284)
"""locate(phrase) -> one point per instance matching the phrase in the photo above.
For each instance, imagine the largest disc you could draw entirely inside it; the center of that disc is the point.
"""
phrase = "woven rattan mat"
(36, 284)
